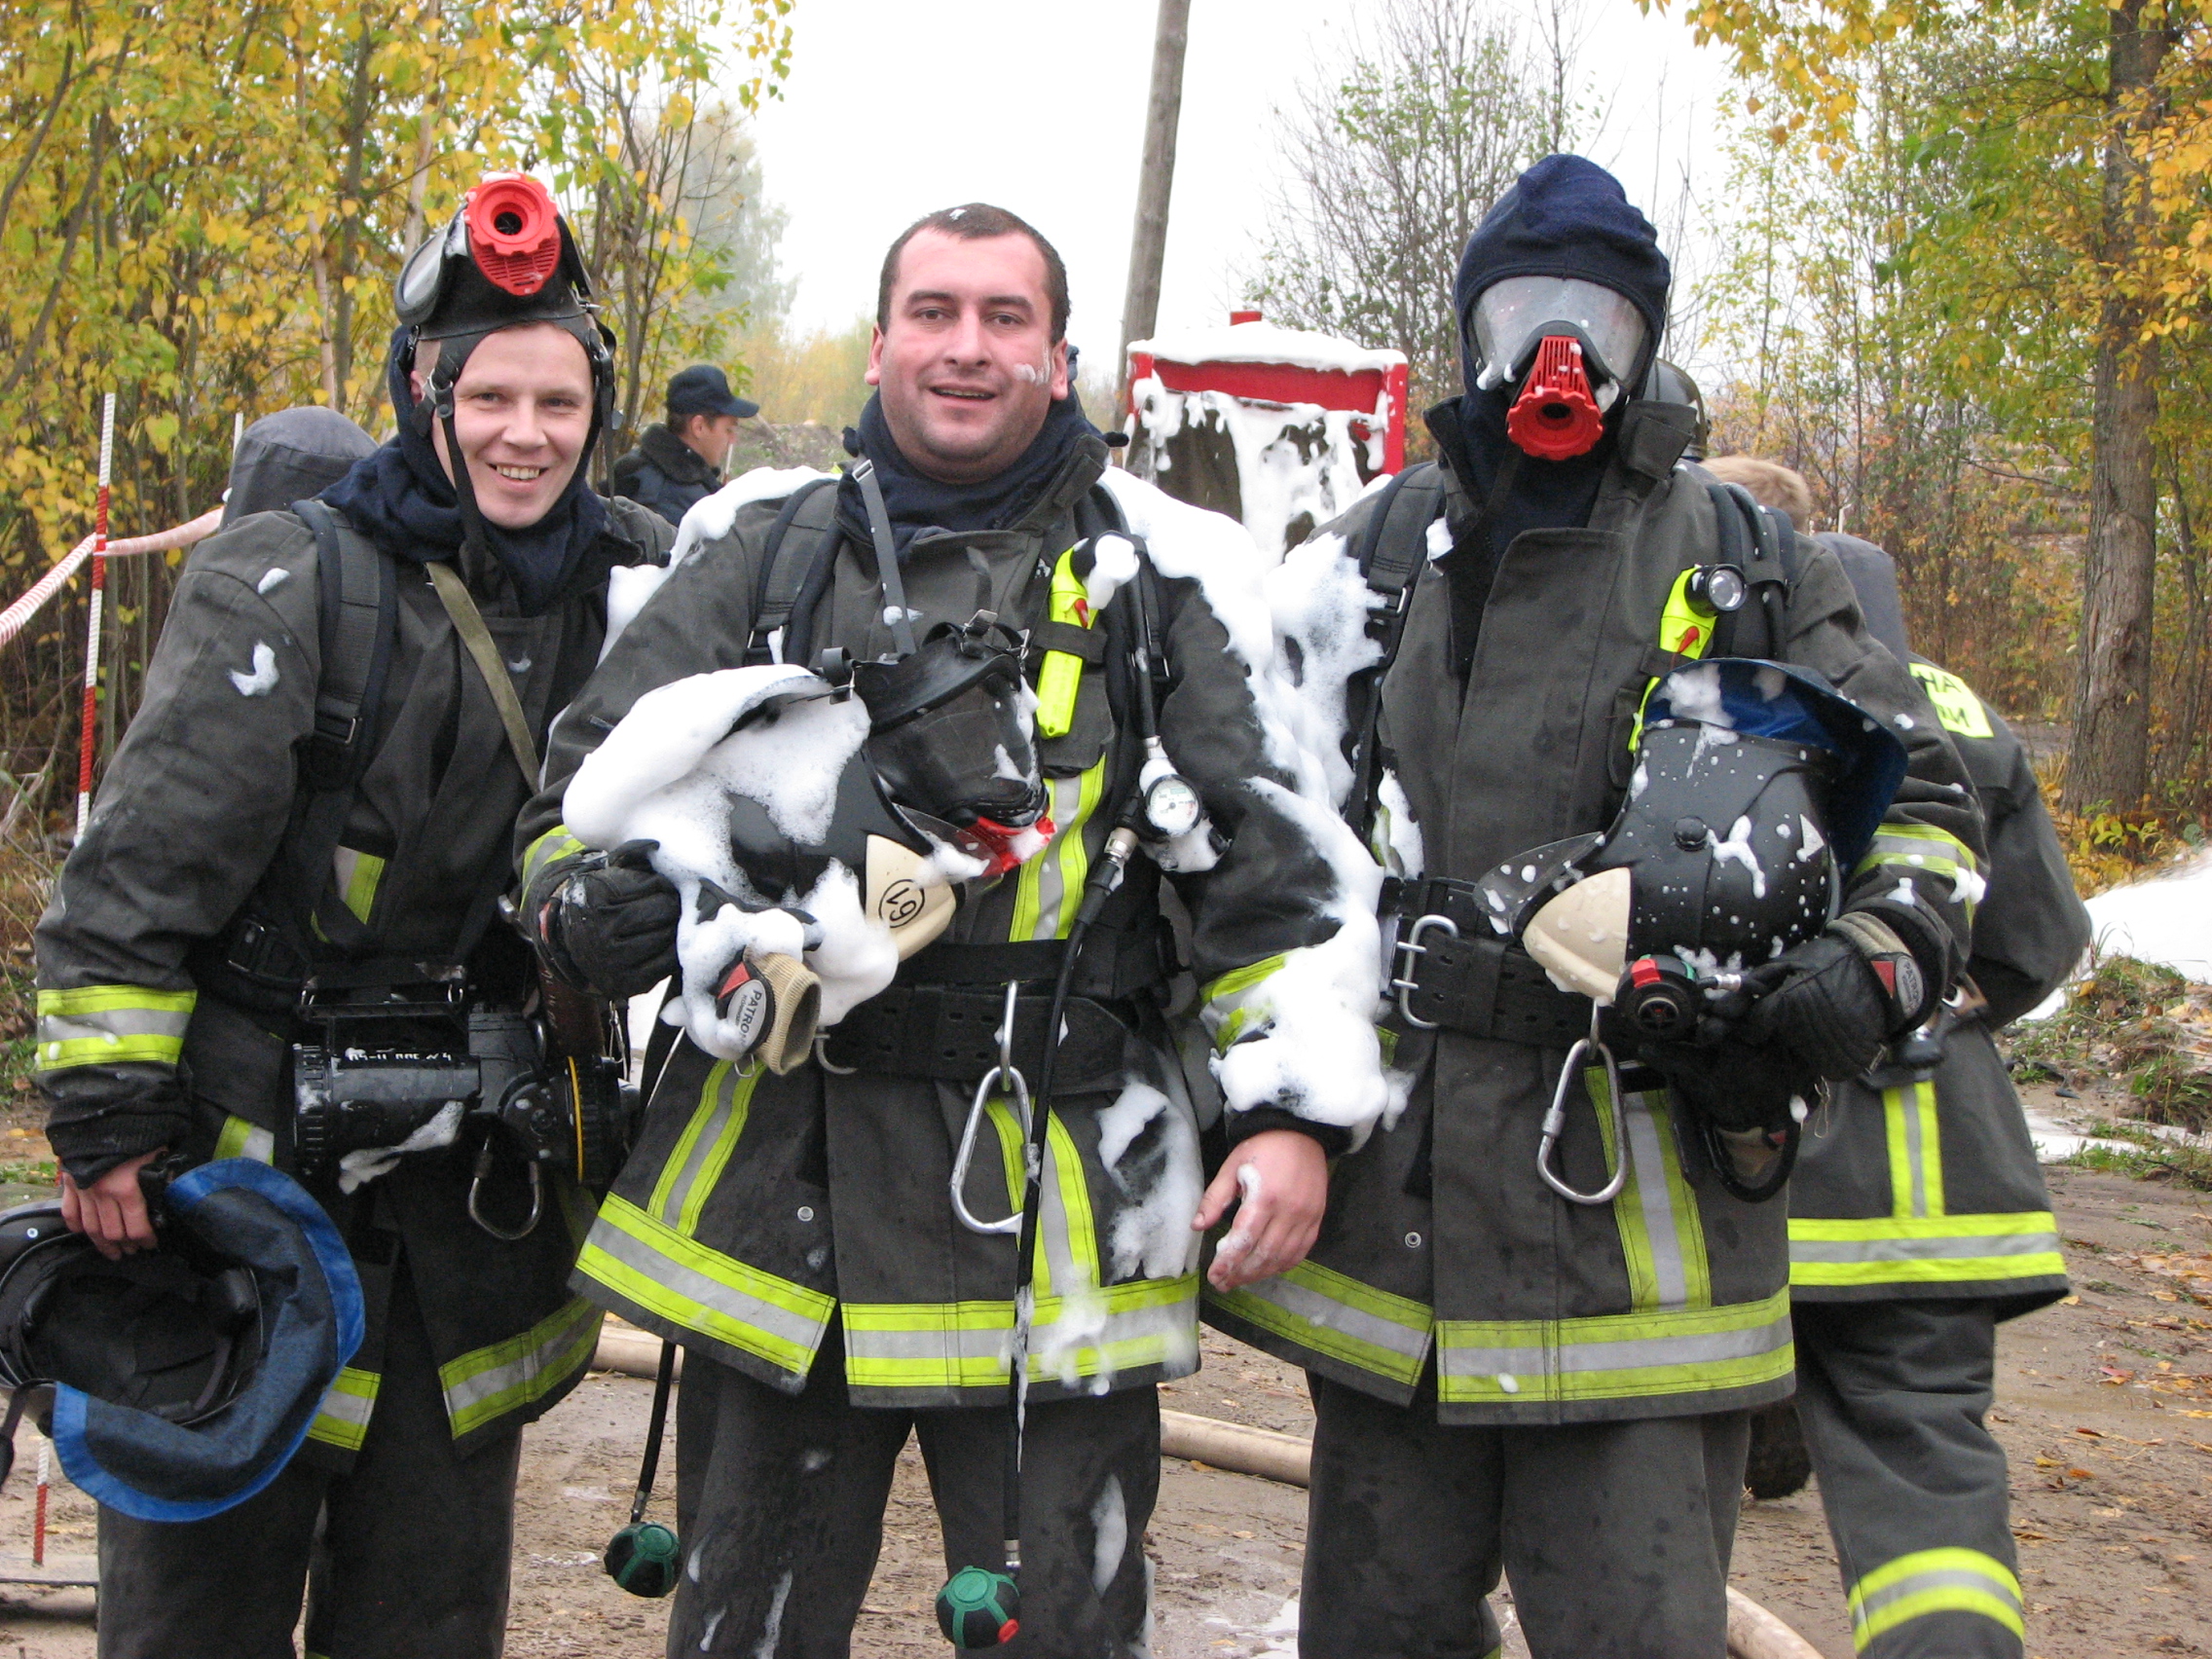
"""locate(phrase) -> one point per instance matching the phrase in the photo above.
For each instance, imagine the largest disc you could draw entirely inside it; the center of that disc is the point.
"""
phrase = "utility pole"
(1148, 241)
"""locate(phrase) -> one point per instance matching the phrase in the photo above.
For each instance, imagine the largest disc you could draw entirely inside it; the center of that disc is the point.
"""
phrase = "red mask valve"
(1556, 416)
(514, 233)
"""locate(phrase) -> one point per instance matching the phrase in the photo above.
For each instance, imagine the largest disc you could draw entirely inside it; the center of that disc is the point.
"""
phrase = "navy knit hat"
(1564, 217)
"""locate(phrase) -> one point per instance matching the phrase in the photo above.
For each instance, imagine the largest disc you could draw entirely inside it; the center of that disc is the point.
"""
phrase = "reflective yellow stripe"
(1661, 1226)
(1614, 1356)
(1936, 1249)
(342, 1419)
(1326, 1310)
(110, 1025)
(1232, 1004)
(1916, 1150)
(241, 1139)
(556, 843)
(967, 1345)
(505, 1377)
(703, 1152)
(1933, 1581)
(1051, 884)
(359, 874)
(647, 1261)
(1906, 849)
(1955, 705)
(1060, 676)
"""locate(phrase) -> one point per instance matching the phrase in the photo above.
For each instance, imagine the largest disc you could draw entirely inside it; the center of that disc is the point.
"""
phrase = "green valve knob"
(643, 1559)
(978, 1608)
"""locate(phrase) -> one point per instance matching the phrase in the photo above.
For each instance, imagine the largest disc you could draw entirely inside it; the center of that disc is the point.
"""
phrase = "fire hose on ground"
(1754, 1633)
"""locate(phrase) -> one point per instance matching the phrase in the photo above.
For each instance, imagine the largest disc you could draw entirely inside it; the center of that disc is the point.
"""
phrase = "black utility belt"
(1451, 970)
(950, 1034)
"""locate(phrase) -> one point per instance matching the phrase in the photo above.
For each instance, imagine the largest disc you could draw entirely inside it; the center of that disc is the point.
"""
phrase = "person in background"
(1918, 1219)
(678, 462)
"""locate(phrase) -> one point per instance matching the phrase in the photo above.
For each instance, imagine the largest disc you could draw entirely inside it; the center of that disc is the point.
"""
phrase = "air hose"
(642, 1558)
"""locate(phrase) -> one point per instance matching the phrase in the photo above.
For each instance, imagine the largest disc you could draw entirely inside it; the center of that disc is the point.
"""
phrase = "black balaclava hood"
(403, 500)
(916, 503)
(291, 456)
(1564, 217)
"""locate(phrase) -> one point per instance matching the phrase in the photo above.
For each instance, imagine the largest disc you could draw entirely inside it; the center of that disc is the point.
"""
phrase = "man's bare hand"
(1283, 1177)
(112, 1211)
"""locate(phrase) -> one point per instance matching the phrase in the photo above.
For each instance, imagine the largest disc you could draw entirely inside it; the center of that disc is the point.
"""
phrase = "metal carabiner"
(536, 1197)
(821, 1057)
(1555, 1121)
(1410, 947)
(1008, 1072)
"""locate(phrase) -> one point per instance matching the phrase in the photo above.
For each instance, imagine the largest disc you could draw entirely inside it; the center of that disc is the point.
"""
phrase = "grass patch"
(2183, 1165)
(2137, 1023)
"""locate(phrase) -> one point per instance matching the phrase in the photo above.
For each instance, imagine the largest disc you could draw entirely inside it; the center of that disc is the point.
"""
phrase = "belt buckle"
(1410, 947)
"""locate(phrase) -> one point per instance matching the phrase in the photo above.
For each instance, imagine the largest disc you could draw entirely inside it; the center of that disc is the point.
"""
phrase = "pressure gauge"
(1171, 806)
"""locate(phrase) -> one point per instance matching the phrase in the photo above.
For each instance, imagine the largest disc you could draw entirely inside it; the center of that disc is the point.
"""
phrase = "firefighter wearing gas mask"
(280, 939)
(1547, 1296)
(1918, 1220)
(836, 1239)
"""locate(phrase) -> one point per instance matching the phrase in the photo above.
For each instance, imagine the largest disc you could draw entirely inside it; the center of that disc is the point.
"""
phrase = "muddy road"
(2105, 1406)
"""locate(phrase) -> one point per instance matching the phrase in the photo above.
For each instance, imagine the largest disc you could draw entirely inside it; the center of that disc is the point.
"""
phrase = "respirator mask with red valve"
(1568, 346)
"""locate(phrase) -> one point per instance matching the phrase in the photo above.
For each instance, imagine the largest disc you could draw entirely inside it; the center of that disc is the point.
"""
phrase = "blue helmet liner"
(148, 1464)
(1795, 705)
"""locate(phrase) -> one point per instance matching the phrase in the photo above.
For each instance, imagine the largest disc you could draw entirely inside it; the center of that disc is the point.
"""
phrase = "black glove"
(610, 924)
(1822, 1009)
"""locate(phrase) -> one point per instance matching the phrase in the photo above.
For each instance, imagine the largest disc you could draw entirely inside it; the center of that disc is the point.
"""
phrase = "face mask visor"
(1512, 317)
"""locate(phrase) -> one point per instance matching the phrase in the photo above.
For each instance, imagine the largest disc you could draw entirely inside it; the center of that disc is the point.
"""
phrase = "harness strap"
(468, 623)
(1390, 558)
(776, 594)
(357, 607)
(952, 1036)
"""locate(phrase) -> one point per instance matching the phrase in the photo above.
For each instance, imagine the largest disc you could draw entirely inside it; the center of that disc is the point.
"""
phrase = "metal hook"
(1555, 1121)
(1007, 1072)
(822, 1056)
(475, 1184)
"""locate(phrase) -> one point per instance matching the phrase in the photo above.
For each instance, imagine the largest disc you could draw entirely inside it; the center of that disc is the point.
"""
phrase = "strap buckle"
(1404, 981)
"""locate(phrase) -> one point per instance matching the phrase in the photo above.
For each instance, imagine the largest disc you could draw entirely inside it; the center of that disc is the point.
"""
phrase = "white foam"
(262, 680)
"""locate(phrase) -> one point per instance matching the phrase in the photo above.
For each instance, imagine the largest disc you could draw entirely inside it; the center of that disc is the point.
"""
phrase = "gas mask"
(1569, 346)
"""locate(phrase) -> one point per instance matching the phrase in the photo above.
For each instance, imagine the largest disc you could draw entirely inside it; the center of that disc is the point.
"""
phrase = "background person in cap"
(1506, 1376)
(1918, 1220)
(682, 461)
(247, 841)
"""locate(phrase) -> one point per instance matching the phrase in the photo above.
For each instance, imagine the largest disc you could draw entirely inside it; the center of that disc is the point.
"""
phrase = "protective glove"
(1822, 1010)
(610, 924)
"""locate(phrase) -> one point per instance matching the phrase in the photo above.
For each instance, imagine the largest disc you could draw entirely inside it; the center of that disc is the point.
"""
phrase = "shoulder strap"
(357, 616)
(1390, 556)
(469, 622)
(1763, 543)
(777, 590)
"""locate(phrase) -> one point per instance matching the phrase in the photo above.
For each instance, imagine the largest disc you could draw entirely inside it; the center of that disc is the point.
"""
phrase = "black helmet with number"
(178, 1381)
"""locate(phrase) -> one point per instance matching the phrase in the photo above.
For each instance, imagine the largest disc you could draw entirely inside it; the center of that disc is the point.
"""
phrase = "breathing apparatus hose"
(641, 1558)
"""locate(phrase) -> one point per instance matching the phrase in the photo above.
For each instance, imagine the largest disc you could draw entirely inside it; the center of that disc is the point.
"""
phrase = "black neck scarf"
(400, 499)
(917, 503)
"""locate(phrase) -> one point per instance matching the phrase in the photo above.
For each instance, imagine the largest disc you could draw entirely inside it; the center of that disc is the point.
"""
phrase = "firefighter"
(796, 1231)
(1544, 1302)
(678, 462)
(1918, 1218)
(298, 850)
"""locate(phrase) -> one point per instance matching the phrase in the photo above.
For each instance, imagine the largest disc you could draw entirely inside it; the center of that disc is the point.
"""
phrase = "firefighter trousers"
(780, 1504)
(1613, 1535)
(1892, 1395)
(409, 1550)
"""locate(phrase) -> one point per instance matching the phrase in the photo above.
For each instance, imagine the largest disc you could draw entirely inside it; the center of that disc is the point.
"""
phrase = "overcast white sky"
(894, 109)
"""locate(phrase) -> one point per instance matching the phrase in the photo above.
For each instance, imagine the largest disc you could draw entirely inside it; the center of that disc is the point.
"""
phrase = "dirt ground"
(2105, 1407)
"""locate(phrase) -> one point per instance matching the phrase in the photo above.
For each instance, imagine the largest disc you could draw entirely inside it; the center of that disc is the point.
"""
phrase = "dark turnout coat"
(1441, 1246)
(757, 1208)
(147, 1039)
(1923, 1182)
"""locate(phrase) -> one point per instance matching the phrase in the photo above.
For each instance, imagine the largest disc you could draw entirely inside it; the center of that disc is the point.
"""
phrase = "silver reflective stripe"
(1634, 1353)
(475, 1395)
(1051, 886)
(1933, 1581)
(705, 1138)
(1329, 1313)
(342, 1417)
(732, 1303)
(1975, 1245)
(1654, 1197)
(1916, 1153)
(241, 1139)
(111, 1024)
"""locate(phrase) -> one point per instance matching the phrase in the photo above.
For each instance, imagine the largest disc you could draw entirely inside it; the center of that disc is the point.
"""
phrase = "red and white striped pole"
(38, 1520)
(93, 627)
